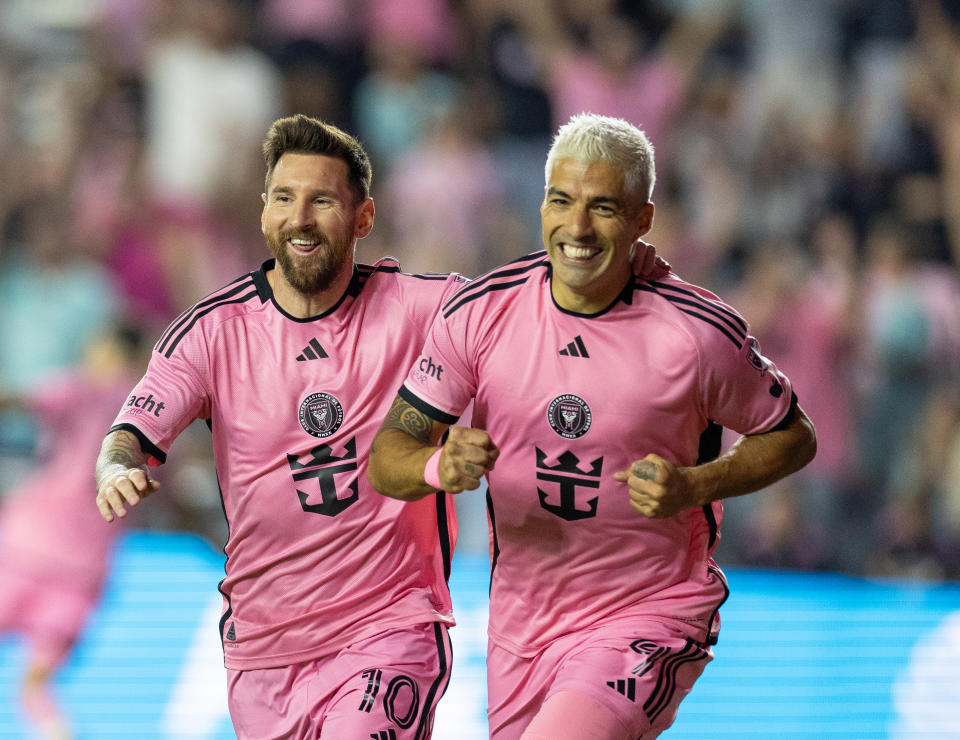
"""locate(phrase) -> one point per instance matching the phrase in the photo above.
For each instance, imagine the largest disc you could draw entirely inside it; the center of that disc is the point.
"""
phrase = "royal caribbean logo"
(569, 416)
(321, 414)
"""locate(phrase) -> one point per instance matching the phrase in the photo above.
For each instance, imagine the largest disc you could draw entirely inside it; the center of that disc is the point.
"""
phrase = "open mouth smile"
(578, 253)
(303, 246)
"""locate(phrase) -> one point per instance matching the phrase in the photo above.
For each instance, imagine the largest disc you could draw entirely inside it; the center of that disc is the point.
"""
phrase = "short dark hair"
(305, 135)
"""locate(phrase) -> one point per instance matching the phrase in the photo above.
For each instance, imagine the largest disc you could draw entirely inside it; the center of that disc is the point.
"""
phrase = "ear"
(364, 222)
(644, 219)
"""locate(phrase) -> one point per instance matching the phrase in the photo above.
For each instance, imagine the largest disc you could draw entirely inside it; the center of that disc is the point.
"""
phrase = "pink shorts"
(51, 614)
(638, 669)
(385, 687)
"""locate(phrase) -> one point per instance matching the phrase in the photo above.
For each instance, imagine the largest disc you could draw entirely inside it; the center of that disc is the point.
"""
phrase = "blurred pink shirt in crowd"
(648, 94)
(49, 525)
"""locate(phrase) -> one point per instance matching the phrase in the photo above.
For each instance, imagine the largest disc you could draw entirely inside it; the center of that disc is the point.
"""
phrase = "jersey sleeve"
(168, 398)
(742, 390)
(443, 379)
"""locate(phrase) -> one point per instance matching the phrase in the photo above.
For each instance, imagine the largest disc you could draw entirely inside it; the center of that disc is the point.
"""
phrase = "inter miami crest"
(569, 416)
(321, 414)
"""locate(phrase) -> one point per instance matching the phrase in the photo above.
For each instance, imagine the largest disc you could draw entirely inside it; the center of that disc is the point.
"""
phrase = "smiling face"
(590, 222)
(311, 221)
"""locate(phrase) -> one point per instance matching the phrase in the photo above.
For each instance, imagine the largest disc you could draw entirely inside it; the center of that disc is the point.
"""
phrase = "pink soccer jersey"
(572, 399)
(316, 559)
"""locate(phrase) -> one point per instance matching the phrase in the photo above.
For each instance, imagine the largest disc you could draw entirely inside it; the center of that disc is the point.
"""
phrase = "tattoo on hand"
(644, 469)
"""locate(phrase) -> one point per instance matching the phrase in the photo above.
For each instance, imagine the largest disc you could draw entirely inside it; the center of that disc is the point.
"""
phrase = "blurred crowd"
(808, 162)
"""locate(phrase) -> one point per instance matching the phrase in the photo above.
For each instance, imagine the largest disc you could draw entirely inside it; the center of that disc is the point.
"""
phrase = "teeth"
(577, 252)
(302, 243)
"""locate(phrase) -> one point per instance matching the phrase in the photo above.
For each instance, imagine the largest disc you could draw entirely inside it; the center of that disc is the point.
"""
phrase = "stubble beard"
(313, 273)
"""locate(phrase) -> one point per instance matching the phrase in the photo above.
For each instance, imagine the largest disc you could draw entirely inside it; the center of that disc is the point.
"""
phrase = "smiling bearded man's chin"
(315, 272)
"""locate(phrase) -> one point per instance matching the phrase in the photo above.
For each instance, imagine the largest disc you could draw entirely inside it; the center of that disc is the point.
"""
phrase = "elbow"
(806, 447)
(375, 477)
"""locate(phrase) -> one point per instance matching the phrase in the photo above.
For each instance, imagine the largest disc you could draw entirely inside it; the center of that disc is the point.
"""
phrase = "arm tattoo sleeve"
(405, 418)
(119, 448)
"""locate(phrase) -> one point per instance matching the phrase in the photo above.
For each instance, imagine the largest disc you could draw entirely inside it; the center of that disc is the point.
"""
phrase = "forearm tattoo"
(119, 448)
(405, 418)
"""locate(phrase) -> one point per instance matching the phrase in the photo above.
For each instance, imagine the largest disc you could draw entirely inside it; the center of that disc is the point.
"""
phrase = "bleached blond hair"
(588, 137)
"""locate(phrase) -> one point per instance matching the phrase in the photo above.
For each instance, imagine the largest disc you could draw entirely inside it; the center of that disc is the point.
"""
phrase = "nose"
(302, 216)
(579, 224)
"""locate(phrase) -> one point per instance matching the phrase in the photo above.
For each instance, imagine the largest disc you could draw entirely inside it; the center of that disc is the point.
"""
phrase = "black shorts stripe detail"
(728, 315)
(430, 701)
(425, 408)
(447, 312)
(446, 546)
(650, 662)
(145, 444)
(495, 555)
(666, 687)
(200, 314)
(711, 638)
(245, 283)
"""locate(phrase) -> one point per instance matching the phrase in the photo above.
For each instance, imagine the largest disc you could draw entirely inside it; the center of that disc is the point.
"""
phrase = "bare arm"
(658, 488)
(122, 474)
(406, 441)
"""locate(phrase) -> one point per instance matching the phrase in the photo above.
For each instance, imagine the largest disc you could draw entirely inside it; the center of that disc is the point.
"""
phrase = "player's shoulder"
(699, 310)
(387, 271)
(385, 280)
(500, 285)
(239, 296)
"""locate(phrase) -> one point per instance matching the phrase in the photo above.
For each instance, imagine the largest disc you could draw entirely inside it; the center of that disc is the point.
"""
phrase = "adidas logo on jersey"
(576, 348)
(312, 351)
(626, 688)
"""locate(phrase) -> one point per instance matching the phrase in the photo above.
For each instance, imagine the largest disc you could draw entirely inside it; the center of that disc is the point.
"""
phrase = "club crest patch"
(754, 357)
(321, 414)
(569, 416)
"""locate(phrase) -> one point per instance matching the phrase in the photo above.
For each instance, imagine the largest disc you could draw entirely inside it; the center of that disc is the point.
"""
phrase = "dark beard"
(314, 273)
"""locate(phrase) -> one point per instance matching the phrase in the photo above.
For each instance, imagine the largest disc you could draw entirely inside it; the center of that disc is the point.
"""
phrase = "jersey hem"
(697, 632)
(319, 651)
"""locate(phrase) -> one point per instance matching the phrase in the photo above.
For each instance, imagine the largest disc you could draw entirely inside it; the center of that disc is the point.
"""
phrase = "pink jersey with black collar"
(316, 559)
(570, 400)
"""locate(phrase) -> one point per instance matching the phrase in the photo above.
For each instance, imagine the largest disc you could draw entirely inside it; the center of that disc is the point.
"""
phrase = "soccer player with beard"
(336, 605)
(598, 403)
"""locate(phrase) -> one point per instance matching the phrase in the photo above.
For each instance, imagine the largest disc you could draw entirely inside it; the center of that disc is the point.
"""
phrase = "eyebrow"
(287, 190)
(598, 200)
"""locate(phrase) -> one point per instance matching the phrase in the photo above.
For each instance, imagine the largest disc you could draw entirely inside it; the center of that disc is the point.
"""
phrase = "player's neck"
(587, 300)
(307, 305)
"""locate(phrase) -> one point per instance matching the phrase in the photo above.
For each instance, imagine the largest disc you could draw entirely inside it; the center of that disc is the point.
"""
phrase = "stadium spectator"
(54, 549)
